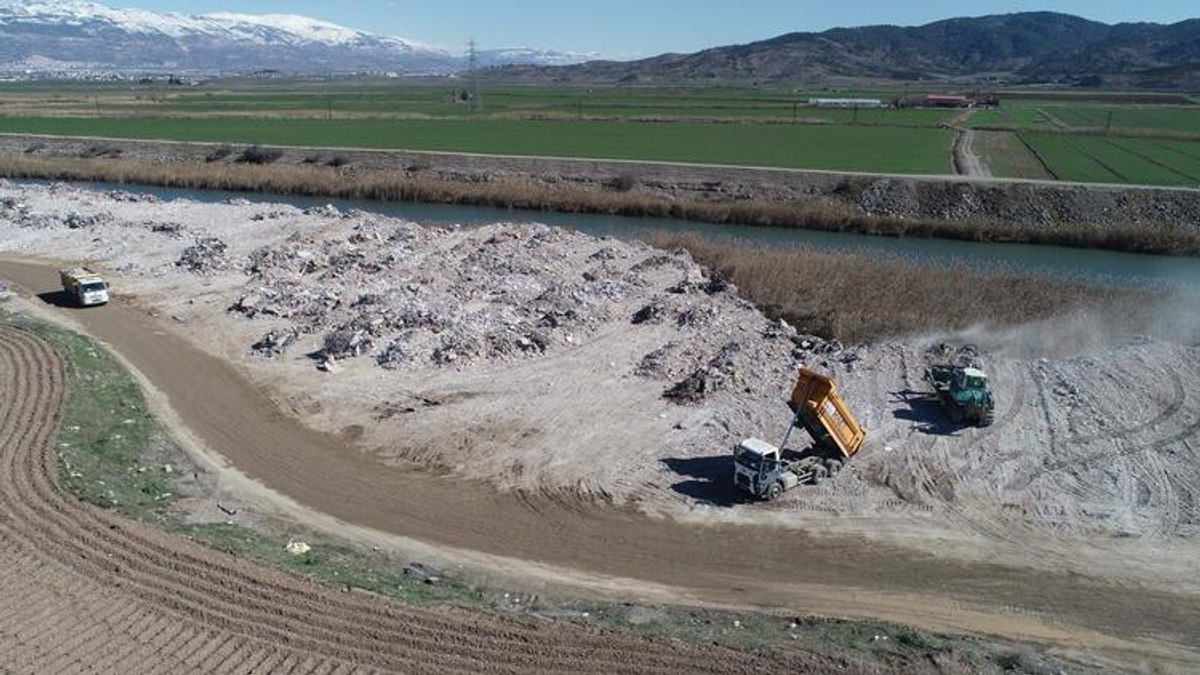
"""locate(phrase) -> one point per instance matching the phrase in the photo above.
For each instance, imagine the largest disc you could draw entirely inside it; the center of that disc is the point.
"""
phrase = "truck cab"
(759, 470)
(93, 293)
(968, 380)
(85, 286)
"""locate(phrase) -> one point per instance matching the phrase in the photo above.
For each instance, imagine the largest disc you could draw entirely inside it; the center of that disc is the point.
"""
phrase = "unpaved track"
(966, 160)
(86, 590)
(719, 563)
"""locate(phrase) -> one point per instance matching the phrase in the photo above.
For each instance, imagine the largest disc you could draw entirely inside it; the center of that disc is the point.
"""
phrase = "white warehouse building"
(847, 103)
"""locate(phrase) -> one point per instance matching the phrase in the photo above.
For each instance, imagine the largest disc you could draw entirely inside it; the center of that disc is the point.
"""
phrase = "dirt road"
(967, 161)
(87, 590)
(718, 563)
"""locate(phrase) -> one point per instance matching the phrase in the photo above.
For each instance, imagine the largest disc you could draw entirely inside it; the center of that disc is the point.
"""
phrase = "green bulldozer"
(964, 393)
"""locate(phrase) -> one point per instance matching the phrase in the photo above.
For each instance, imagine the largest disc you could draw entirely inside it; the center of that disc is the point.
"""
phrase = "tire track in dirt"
(94, 586)
(975, 514)
(1131, 450)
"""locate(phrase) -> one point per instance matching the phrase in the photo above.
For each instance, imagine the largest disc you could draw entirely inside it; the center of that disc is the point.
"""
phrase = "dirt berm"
(1038, 204)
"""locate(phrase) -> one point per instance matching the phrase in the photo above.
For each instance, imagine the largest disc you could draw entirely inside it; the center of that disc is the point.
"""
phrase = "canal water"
(1106, 268)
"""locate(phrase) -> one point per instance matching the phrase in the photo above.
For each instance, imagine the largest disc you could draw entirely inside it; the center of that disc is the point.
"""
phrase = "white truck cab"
(87, 287)
(759, 470)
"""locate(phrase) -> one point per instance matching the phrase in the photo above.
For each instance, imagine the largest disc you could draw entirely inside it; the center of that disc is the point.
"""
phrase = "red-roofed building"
(948, 101)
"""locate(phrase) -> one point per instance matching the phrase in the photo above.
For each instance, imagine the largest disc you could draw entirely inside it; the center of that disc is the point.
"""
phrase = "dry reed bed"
(858, 297)
(528, 193)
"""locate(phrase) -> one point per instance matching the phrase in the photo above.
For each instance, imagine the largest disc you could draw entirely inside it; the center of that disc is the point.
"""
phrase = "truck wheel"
(834, 466)
(819, 473)
(985, 418)
(774, 491)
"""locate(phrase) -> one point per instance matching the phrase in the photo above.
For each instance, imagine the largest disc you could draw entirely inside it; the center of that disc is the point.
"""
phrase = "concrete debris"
(423, 573)
(407, 295)
(720, 372)
(207, 255)
(132, 197)
(167, 228)
(275, 342)
(651, 313)
(346, 342)
(297, 547)
(326, 211)
(77, 221)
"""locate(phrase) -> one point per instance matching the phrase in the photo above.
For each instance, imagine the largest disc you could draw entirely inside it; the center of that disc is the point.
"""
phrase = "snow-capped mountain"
(80, 32)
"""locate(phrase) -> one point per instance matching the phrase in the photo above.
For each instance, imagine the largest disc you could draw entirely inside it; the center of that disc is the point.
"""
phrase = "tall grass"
(352, 182)
(859, 297)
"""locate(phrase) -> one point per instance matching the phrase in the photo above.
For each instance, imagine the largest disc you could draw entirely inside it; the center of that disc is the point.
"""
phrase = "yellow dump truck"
(759, 467)
(84, 285)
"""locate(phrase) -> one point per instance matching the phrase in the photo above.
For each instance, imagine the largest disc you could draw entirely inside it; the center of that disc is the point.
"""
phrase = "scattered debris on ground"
(598, 369)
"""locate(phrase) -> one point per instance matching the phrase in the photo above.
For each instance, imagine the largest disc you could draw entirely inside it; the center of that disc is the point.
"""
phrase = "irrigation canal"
(1107, 268)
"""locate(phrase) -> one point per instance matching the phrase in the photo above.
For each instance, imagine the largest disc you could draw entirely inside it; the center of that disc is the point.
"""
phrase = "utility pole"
(473, 62)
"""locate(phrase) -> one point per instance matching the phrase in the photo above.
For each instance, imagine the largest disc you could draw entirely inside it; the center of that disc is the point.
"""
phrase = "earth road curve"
(726, 564)
(87, 590)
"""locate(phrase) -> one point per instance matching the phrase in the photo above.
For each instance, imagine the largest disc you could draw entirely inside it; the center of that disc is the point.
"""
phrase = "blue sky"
(634, 28)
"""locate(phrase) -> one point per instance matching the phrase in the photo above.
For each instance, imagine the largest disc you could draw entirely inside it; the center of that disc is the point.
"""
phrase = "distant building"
(948, 101)
(847, 103)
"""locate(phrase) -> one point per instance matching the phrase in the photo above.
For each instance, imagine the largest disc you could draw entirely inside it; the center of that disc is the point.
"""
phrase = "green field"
(846, 148)
(1124, 137)
(409, 101)
(1118, 160)
(1142, 120)
(1147, 118)
(1007, 156)
(1009, 117)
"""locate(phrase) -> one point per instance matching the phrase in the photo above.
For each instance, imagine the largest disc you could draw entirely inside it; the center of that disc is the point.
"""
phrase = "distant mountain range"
(54, 35)
(1025, 47)
(57, 36)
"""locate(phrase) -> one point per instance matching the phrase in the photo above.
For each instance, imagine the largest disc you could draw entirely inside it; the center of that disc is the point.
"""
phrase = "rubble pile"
(77, 221)
(23, 215)
(132, 197)
(207, 255)
(407, 295)
(721, 371)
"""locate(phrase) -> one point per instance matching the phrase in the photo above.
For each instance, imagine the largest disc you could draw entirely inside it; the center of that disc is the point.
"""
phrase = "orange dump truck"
(759, 467)
(820, 410)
